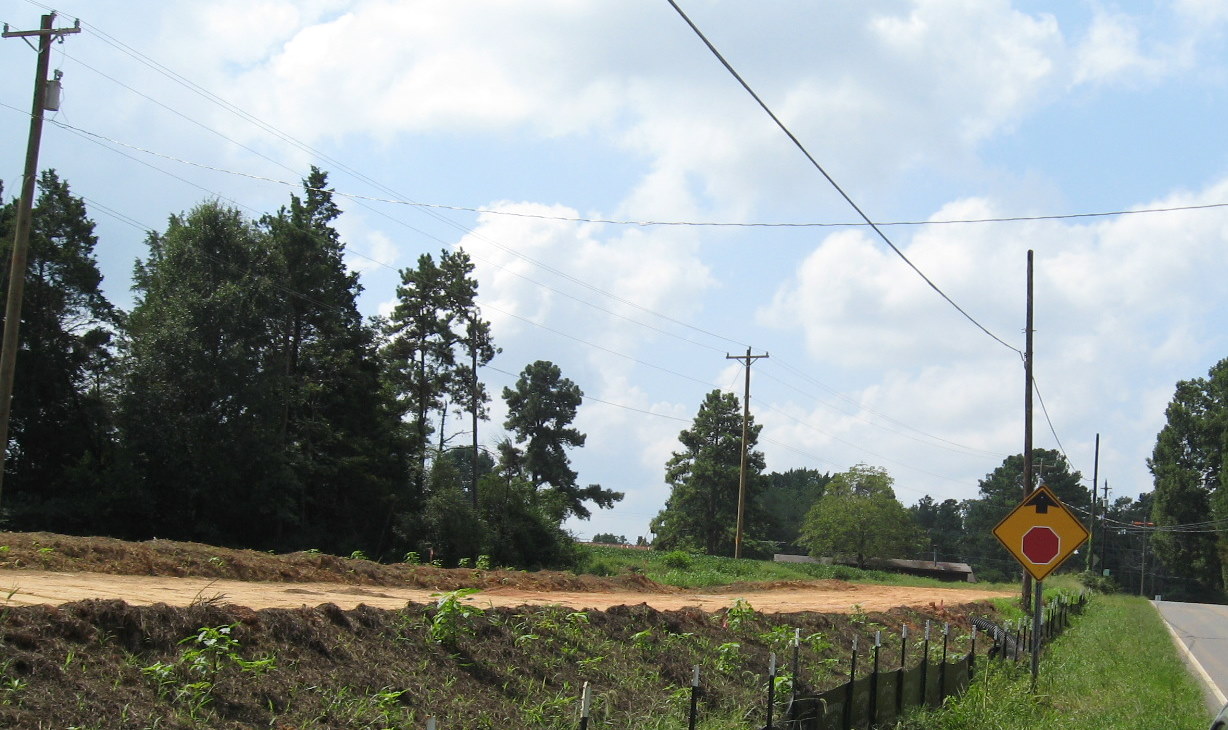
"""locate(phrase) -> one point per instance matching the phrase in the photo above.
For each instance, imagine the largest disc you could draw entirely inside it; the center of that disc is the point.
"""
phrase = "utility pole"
(1027, 422)
(21, 238)
(748, 359)
(1091, 545)
(473, 397)
(1104, 529)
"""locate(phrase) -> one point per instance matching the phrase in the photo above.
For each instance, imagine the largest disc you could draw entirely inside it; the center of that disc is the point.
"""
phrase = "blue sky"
(922, 110)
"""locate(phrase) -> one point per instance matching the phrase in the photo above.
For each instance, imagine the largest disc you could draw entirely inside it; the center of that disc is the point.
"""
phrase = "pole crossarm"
(53, 32)
(747, 360)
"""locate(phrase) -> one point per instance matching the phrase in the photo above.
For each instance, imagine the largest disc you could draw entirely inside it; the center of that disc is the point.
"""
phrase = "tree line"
(244, 401)
(855, 515)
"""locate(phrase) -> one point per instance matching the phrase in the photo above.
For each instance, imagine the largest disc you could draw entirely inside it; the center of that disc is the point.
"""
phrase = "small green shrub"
(451, 616)
(677, 560)
(1094, 581)
(843, 572)
(601, 568)
(739, 614)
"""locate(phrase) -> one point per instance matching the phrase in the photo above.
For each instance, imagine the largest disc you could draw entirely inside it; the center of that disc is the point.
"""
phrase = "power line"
(1052, 430)
(862, 449)
(943, 443)
(98, 138)
(358, 197)
(605, 402)
(832, 181)
(228, 106)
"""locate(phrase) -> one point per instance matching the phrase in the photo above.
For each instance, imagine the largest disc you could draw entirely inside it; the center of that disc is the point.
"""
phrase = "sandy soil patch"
(34, 587)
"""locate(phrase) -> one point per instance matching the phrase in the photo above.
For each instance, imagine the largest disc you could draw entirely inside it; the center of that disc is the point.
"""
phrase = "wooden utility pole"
(473, 397)
(1091, 544)
(747, 359)
(1104, 529)
(1028, 486)
(25, 205)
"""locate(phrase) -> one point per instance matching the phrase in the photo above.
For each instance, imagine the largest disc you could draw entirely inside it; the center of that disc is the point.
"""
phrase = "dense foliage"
(1189, 465)
(245, 402)
(858, 518)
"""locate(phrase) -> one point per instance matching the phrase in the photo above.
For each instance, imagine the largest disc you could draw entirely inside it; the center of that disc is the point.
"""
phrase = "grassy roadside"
(705, 571)
(1116, 669)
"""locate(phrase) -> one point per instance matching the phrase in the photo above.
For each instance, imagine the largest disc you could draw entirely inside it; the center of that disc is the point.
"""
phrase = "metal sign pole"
(1036, 614)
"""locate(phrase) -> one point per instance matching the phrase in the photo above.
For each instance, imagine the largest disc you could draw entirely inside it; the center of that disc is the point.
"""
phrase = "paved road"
(1203, 628)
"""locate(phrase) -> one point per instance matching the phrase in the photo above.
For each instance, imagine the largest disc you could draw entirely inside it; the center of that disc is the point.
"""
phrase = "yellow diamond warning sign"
(1041, 533)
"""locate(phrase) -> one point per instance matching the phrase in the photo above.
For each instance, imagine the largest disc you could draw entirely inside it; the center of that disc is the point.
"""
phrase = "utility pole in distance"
(21, 238)
(1091, 545)
(1028, 486)
(748, 359)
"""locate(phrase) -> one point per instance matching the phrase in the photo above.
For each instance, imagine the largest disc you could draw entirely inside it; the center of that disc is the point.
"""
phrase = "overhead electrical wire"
(458, 208)
(833, 183)
(941, 442)
(102, 138)
(340, 165)
(486, 305)
(358, 197)
(862, 449)
(603, 402)
(1052, 430)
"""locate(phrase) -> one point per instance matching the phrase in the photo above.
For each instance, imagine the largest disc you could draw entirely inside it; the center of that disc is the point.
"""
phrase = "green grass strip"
(687, 570)
(1116, 668)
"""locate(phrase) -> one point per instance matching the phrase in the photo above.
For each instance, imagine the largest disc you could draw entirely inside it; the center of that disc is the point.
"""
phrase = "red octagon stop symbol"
(1041, 545)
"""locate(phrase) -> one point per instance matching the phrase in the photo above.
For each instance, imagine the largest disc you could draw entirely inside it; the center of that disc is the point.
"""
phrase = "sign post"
(1041, 533)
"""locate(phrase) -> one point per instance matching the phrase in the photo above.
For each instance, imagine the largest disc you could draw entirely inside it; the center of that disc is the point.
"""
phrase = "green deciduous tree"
(784, 501)
(1188, 465)
(522, 522)
(1001, 491)
(609, 538)
(541, 409)
(201, 410)
(701, 511)
(858, 518)
(943, 525)
(60, 440)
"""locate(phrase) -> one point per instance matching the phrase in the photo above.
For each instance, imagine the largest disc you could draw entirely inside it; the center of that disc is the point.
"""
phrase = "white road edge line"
(1189, 656)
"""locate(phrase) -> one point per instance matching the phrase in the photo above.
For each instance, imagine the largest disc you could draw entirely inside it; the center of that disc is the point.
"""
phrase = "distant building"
(954, 572)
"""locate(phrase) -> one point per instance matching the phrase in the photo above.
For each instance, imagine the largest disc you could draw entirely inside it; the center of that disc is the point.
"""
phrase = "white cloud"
(1112, 52)
(1205, 13)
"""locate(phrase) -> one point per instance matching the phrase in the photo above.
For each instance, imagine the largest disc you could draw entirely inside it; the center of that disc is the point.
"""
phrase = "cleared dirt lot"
(35, 587)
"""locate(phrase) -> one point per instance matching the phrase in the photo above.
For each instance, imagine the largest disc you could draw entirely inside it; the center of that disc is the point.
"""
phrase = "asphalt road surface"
(1203, 630)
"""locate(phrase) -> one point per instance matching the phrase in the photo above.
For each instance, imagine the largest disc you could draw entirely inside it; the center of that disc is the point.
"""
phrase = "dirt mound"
(109, 665)
(61, 553)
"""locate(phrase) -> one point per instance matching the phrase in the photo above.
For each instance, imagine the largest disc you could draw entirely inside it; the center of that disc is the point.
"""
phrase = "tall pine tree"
(701, 512)
(60, 428)
(338, 433)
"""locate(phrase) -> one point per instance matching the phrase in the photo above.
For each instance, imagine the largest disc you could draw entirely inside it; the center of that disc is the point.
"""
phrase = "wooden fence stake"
(878, 643)
(694, 698)
(771, 700)
(848, 697)
(586, 704)
(899, 682)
